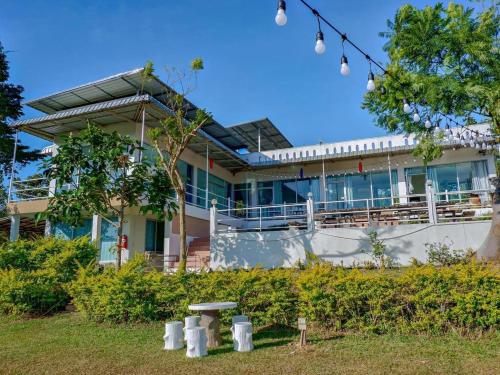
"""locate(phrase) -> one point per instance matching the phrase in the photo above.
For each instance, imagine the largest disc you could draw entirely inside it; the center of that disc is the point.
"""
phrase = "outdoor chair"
(197, 340)
(174, 338)
(242, 337)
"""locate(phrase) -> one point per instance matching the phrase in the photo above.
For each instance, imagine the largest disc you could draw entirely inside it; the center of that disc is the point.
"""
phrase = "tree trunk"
(183, 249)
(119, 241)
(490, 249)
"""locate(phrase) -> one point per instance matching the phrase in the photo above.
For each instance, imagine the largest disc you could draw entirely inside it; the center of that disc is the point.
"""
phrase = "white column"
(254, 198)
(52, 183)
(48, 228)
(310, 212)
(402, 190)
(15, 221)
(96, 230)
(168, 260)
(431, 204)
(213, 218)
(322, 189)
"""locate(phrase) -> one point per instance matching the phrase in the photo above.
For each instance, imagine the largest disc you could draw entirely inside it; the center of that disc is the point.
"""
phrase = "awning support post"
(13, 167)
(143, 125)
(206, 182)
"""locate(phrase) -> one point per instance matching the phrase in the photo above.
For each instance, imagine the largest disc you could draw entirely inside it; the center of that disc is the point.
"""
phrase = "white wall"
(338, 245)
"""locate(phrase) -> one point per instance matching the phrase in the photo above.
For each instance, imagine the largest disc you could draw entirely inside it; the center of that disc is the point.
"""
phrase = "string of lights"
(466, 136)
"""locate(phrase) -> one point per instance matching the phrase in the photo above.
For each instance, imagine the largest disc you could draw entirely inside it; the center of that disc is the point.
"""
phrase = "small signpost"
(302, 327)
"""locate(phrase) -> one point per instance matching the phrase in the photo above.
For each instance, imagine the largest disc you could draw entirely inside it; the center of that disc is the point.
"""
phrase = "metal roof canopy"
(126, 110)
(270, 136)
(125, 85)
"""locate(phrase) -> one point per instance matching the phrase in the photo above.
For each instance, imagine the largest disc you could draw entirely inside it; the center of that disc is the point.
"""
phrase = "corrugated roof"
(125, 85)
(270, 136)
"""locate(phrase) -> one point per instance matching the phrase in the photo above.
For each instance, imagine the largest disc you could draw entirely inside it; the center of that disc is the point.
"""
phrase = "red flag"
(211, 161)
(360, 167)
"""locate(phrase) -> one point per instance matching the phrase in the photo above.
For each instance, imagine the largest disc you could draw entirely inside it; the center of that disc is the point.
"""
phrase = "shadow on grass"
(267, 337)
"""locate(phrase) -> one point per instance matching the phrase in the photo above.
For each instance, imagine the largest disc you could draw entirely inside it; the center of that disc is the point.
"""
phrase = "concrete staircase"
(198, 256)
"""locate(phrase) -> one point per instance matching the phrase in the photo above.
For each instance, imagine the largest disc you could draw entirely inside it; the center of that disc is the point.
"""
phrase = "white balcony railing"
(453, 206)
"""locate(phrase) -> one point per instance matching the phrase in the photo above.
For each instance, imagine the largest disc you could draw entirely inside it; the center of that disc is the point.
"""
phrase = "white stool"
(242, 337)
(196, 338)
(191, 322)
(174, 337)
(238, 319)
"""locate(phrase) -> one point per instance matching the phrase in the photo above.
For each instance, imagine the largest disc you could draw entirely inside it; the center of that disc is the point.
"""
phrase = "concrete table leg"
(210, 321)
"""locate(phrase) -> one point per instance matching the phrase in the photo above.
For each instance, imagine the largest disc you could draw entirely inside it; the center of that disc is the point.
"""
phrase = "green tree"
(443, 60)
(173, 136)
(95, 173)
(10, 110)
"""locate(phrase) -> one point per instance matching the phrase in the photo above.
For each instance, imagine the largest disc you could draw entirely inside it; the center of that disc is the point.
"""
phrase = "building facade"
(260, 186)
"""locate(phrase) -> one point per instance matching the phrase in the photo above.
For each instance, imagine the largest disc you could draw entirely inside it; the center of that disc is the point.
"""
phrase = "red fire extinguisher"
(124, 242)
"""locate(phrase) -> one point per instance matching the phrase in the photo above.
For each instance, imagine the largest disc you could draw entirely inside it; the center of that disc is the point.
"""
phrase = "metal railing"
(429, 208)
(264, 217)
(470, 205)
(409, 209)
(29, 190)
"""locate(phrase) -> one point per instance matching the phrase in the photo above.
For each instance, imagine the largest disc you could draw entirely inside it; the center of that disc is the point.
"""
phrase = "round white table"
(210, 319)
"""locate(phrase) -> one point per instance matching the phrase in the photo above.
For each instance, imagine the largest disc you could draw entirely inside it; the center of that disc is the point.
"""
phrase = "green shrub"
(34, 274)
(418, 299)
(36, 292)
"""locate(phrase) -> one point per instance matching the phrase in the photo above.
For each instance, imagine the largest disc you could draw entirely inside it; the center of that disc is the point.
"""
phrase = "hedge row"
(418, 299)
(34, 274)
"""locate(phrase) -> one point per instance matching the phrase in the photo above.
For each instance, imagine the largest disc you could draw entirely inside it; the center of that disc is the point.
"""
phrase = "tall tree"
(443, 60)
(173, 136)
(97, 173)
(10, 110)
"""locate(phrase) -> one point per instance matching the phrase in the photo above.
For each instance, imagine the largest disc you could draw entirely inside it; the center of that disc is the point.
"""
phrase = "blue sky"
(253, 68)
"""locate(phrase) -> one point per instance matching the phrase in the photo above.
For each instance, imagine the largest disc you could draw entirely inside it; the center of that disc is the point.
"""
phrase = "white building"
(263, 214)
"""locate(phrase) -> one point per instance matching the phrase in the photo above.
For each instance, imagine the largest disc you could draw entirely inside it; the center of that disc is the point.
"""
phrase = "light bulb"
(344, 66)
(489, 147)
(478, 146)
(428, 123)
(406, 106)
(416, 116)
(320, 47)
(462, 140)
(483, 146)
(370, 86)
(281, 16)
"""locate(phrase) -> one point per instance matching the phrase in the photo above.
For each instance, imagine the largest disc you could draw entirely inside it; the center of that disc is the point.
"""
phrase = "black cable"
(345, 38)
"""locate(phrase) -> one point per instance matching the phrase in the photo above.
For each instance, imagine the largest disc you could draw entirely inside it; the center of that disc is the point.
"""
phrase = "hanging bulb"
(281, 18)
(428, 123)
(416, 116)
(320, 47)
(406, 106)
(462, 140)
(489, 147)
(447, 129)
(344, 66)
(483, 146)
(478, 146)
(370, 86)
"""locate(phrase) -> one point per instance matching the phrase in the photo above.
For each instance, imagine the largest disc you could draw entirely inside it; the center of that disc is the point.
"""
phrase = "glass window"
(217, 189)
(359, 186)
(67, 232)
(242, 194)
(265, 192)
(381, 187)
(155, 232)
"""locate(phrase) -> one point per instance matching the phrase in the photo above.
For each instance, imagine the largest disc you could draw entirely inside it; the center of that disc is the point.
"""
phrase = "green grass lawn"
(67, 344)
